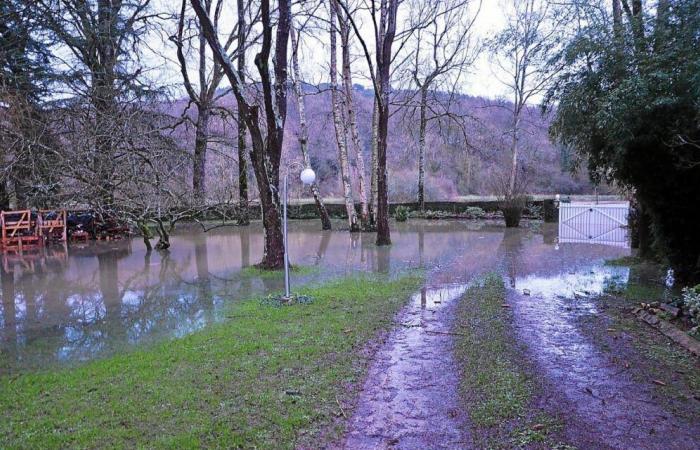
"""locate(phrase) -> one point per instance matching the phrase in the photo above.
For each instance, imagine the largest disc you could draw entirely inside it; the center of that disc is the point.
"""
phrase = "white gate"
(594, 223)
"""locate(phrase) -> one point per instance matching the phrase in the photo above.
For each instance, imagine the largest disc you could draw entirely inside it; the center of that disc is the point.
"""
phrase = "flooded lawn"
(103, 297)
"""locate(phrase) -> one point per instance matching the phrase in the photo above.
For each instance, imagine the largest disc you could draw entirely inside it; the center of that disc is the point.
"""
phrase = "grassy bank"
(268, 378)
(496, 385)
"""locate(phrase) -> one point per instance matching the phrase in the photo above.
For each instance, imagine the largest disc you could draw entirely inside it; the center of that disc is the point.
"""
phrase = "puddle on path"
(410, 398)
(615, 410)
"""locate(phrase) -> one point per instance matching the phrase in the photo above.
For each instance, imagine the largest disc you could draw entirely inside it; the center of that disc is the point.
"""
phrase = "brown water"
(101, 298)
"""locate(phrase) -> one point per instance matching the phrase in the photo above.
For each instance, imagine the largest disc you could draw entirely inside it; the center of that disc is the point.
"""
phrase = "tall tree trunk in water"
(340, 130)
(243, 217)
(351, 116)
(384, 57)
(373, 171)
(304, 131)
(421, 146)
(266, 150)
(200, 153)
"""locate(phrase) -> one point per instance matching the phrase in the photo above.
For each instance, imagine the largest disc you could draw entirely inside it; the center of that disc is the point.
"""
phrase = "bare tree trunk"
(266, 150)
(200, 153)
(373, 179)
(304, 132)
(243, 217)
(351, 116)
(384, 57)
(340, 130)
(514, 151)
(421, 146)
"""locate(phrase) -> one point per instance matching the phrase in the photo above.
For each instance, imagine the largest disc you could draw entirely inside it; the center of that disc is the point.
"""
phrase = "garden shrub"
(691, 307)
(401, 213)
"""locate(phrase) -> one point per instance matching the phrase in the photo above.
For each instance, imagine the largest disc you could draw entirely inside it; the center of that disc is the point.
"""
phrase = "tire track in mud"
(602, 405)
(410, 399)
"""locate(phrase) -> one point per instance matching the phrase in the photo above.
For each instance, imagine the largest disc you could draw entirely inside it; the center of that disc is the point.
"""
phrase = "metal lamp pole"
(308, 176)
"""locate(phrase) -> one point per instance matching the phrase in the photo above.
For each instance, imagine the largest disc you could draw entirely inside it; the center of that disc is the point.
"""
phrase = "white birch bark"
(304, 130)
(340, 129)
(350, 110)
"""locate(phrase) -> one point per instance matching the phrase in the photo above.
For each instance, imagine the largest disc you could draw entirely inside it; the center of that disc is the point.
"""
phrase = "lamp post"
(308, 176)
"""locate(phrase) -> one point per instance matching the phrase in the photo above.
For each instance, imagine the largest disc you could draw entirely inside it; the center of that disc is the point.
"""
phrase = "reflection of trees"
(550, 233)
(244, 236)
(9, 313)
(510, 250)
(201, 258)
(384, 259)
(323, 245)
(421, 238)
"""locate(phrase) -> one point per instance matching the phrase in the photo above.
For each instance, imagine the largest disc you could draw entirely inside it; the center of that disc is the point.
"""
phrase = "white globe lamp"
(308, 176)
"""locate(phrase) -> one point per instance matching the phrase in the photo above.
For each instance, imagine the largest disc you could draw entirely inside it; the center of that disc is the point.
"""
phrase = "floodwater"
(62, 307)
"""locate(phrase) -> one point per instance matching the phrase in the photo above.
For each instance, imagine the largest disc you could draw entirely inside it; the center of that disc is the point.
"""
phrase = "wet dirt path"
(410, 398)
(601, 403)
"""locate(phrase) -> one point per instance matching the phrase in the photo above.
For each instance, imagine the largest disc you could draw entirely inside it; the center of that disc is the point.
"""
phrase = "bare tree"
(350, 115)
(102, 38)
(444, 50)
(339, 123)
(384, 26)
(524, 52)
(242, 131)
(267, 133)
(204, 97)
(304, 131)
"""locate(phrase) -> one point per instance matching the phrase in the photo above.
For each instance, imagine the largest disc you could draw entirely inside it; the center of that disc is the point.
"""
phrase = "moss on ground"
(268, 378)
(496, 382)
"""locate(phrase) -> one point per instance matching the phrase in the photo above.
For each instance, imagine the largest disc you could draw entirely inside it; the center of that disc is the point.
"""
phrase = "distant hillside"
(452, 169)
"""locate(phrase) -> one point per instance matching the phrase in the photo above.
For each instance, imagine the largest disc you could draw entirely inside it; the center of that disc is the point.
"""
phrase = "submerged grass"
(257, 272)
(495, 383)
(268, 378)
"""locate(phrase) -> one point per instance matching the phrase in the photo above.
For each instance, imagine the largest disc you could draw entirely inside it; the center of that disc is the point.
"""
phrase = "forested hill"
(453, 167)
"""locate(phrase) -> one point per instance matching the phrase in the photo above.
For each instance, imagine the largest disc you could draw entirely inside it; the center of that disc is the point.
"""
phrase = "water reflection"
(101, 298)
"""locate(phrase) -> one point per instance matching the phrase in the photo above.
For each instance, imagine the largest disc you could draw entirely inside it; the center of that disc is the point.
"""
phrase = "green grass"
(495, 384)
(495, 387)
(623, 261)
(267, 378)
(256, 272)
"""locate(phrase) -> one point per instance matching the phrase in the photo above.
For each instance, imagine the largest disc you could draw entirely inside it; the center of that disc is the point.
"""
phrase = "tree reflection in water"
(105, 297)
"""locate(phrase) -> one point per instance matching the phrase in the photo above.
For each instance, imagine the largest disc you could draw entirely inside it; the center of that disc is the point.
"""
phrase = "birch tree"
(304, 130)
(383, 22)
(341, 132)
(350, 115)
(266, 131)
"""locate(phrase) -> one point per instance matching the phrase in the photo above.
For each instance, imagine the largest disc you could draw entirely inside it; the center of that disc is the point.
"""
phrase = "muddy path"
(410, 398)
(602, 396)
(603, 401)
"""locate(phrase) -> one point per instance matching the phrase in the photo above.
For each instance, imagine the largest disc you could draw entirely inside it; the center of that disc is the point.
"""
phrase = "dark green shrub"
(401, 213)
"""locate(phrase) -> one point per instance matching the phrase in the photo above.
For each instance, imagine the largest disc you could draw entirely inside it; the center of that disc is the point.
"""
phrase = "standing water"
(105, 297)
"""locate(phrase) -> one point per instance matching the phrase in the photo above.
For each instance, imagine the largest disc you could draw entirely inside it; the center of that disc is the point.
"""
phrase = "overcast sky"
(481, 81)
